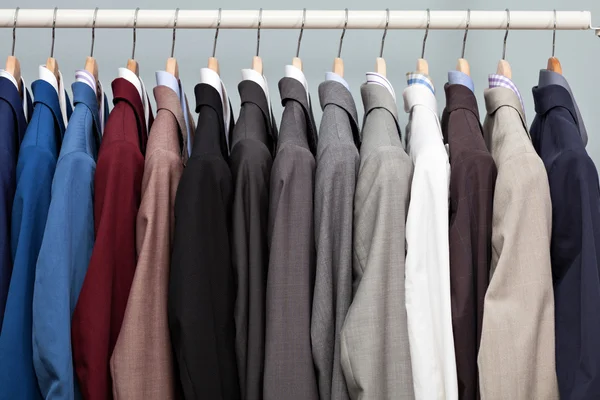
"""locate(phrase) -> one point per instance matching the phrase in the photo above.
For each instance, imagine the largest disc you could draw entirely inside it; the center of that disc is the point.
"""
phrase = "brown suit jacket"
(142, 362)
(472, 180)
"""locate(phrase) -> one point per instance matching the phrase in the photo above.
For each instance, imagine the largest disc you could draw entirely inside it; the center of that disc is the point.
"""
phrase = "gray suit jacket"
(289, 370)
(375, 352)
(252, 146)
(337, 169)
(516, 354)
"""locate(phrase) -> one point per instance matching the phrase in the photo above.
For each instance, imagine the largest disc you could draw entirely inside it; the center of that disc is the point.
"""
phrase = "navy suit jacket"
(12, 129)
(575, 244)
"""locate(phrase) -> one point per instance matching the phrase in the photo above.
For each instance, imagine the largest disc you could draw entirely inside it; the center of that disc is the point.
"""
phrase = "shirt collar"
(82, 75)
(496, 80)
(548, 78)
(378, 79)
(213, 79)
(414, 78)
(141, 88)
(47, 75)
(294, 72)
(332, 76)
(418, 94)
(460, 78)
(249, 74)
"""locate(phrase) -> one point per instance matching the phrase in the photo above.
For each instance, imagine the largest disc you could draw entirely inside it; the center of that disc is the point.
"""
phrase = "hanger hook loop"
(554, 34)
(258, 32)
(506, 34)
(14, 31)
(462, 55)
(93, 31)
(53, 31)
(301, 31)
(135, 15)
(343, 33)
(217, 33)
(174, 31)
(387, 22)
(426, 33)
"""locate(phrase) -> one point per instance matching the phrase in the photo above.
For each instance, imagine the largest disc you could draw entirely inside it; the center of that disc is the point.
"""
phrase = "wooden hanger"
(133, 65)
(296, 61)
(13, 66)
(462, 64)
(380, 66)
(90, 62)
(422, 65)
(257, 64)
(172, 65)
(553, 63)
(503, 65)
(338, 63)
(51, 62)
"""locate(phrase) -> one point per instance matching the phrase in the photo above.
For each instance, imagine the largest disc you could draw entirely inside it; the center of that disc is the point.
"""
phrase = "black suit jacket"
(201, 288)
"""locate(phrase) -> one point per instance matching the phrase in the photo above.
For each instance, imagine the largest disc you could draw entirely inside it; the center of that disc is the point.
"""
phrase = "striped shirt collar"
(413, 78)
(378, 79)
(496, 80)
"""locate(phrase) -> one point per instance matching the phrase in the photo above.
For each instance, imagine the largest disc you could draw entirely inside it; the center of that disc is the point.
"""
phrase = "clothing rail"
(292, 19)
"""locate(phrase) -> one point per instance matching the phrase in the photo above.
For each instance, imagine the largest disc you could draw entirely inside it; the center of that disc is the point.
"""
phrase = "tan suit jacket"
(142, 362)
(516, 355)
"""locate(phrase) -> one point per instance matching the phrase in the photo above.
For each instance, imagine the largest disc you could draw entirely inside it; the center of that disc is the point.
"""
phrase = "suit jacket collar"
(252, 92)
(333, 92)
(549, 97)
(503, 97)
(10, 94)
(44, 93)
(123, 90)
(83, 93)
(376, 96)
(458, 97)
(168, 100)
(208, 96)
(293, 90)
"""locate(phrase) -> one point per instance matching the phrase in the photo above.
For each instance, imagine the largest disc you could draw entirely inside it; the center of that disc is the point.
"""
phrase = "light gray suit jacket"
(516, 355)
(289, 369)
(335, 182)
(375, 352)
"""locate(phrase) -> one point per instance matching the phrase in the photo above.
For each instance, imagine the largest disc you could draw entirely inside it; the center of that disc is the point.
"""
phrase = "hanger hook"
(15, 31)
(174, 31)
(93, 31)
(343, 33)
(217, 33)
(53, 31)
(301, 31)
(387, 22)
(135, 15)
(506, 34)
(426, 33)
(462, 55)
(258, 32)
(554, 34)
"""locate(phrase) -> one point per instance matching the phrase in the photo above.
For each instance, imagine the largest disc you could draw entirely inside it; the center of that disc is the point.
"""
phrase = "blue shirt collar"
(460, 78)
(332, 76)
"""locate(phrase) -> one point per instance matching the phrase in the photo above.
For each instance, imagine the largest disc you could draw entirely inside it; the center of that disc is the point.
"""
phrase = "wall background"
(527, 51)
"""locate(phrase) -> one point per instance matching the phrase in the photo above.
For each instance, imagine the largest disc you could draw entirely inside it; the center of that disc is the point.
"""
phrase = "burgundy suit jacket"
(101, 306)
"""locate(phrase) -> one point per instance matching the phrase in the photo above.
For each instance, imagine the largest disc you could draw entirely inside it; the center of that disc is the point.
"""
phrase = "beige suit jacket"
(142, 361)
(516, 356)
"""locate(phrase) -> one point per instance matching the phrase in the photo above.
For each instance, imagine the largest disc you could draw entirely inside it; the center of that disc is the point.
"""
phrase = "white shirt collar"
(249, 74)
(47, 75)
(332, 76)
(213, 79)
(378, 79)
(7, 75)
(164, 78)
(141, 88)
(297, 74)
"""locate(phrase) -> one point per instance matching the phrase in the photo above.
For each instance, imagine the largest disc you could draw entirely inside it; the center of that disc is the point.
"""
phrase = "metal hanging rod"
(292, 19)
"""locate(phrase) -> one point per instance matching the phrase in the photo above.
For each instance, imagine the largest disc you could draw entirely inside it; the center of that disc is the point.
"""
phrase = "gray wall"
(527, 51)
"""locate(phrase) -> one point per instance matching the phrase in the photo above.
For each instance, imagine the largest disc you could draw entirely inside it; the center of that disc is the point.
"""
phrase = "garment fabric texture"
(516, 354)
(289, 369)
(12, 130)
(252, 147)
(575, 243)
(375, 354)
(428, 303)
(99, 312)
(142, 365)
(335, 182)
(201, 283)
(19, 356)
(472, 180)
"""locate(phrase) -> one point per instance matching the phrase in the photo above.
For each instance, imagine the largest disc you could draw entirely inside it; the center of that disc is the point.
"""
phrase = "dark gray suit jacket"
(335, 182)
(289, 370)
(252, 146)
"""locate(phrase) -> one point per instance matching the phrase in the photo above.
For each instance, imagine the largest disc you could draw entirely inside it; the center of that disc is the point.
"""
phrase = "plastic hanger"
(257, 64)
(380, 66)
(296, 61)
(51, 62)
(553, 63)
(422, 65)
(133, 65)
(338, 63)
(172, 66)
(90, 63)
(13, 66)
(462, 64)
(503, 65)
(213, 63)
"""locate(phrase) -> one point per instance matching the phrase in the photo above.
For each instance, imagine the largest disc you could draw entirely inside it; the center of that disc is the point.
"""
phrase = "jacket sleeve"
(101, 305)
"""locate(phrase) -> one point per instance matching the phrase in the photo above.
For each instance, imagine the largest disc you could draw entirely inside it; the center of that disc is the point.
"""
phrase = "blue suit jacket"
(66, 248)
(575, 244)
(35, 169)
(12, 129)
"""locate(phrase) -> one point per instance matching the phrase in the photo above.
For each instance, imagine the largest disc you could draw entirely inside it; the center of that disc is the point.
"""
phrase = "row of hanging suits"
(152, 258)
